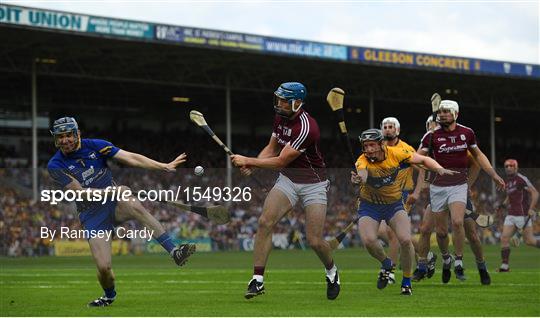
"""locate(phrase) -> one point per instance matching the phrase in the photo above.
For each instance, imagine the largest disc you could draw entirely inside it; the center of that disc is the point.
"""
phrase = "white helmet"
(429, 120)
(450, 105)
(393, 121)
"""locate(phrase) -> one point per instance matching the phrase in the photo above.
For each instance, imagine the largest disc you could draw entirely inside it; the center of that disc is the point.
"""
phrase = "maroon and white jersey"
(302, 133)
(450, 151)
(518, 197)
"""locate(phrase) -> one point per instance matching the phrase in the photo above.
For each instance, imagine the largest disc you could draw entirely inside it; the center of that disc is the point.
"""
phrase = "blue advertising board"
(216, 39)
(231, 40)
(441, 62)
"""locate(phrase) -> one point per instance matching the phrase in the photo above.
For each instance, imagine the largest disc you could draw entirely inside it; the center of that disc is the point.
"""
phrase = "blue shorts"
(99, 219)
(469, 206)
(380, 212)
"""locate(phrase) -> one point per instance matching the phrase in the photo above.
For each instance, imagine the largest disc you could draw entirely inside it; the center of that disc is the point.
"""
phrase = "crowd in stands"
(21, 219)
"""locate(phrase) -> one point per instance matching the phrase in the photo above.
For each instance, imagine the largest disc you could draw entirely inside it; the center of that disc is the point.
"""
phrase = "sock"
(538, 243)
(110, 292)
(459, 260)
(386, 264)
(422, 265)
(447, 259)
(406, 280)
(258, 273)
(505, 254)
(331, 273)
(166, 241)
(329, 267)
(481, 265)
(429, 256)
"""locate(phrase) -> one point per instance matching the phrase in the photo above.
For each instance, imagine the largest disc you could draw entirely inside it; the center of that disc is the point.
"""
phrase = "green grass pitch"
(213, 284)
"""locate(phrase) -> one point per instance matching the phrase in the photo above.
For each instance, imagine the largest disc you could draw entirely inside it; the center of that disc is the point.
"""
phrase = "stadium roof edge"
(37, 18)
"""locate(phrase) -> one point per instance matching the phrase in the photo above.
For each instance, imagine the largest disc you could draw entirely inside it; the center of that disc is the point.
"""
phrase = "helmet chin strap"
(280, 112)
(297, 108)
(374, 158)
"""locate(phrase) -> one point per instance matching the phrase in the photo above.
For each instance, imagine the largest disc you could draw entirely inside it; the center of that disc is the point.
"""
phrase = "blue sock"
(406, 281)
(481, 265)
(110, 292)
(387, 264)
(166, 241)
(422, 266)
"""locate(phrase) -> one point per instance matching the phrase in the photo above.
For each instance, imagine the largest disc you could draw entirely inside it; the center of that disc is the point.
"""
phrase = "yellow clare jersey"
(405, 176)
(382, 185)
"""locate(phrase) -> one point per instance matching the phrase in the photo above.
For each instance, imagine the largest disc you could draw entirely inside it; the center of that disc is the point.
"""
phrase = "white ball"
(199, 170)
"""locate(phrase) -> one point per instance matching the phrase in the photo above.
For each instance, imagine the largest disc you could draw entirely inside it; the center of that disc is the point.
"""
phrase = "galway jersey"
(302, 133)
(518, 197)
(450, 151)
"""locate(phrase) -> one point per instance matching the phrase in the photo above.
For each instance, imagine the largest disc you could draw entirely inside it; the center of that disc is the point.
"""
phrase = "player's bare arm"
(474, 172)
(430, 164)
(359, 177)
(270, 150)
(286, 156)
(533, 193)
(139, 161)
(486, 166)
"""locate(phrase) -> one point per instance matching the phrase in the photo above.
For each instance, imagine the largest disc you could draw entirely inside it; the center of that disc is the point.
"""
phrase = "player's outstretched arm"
(486, 166)
(430, 164)
(139, 161)
(474, 172)
(286, 156)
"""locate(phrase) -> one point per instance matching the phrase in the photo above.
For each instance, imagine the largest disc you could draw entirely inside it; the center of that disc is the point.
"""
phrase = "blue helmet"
(65, 125)
(290, 91)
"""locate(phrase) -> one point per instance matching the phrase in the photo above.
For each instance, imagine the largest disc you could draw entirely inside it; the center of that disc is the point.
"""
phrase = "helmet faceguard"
(390, 121)
(65, 125)
(372, 134)
(430, 124)
(291, 92)
(452, 107)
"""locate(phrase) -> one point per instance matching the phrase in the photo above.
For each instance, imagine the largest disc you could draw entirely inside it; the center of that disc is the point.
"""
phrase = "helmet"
(290, 91)
(450, 105)
(372, 134)
(429, 121)
(393, 121)
(65, 125)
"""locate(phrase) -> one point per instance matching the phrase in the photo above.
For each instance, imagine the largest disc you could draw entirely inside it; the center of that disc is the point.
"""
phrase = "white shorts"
(517, 221)
(441, 197)
(307, 193)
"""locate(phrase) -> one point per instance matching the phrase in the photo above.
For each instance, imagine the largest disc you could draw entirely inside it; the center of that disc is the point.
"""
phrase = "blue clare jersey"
(88, 165)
